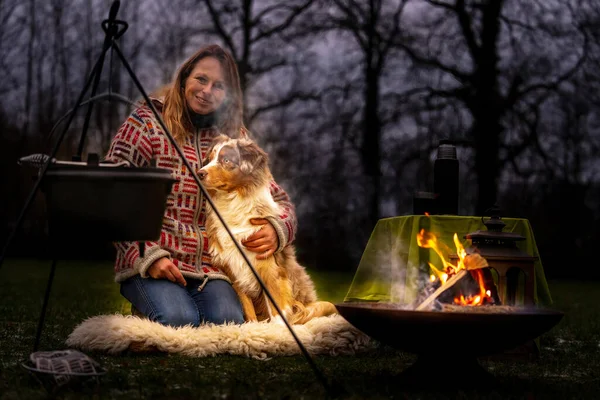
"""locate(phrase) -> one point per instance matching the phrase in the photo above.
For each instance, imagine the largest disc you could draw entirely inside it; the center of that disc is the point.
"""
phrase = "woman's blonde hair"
(229, 117)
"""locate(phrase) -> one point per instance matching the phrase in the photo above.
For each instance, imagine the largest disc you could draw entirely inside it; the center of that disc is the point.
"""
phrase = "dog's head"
(235, 165)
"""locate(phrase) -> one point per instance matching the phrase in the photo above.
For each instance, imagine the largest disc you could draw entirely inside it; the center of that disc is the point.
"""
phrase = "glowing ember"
(470, 262)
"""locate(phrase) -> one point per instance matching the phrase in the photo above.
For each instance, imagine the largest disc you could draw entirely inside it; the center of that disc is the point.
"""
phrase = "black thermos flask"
(445, 179)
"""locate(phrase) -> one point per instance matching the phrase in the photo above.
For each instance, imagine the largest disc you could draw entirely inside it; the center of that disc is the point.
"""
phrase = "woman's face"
(205, 88)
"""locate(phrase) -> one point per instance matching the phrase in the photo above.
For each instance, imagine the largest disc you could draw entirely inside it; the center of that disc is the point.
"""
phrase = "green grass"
(568, 368)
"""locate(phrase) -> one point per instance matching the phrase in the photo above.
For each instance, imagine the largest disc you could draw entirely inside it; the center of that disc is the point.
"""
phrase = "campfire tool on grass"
(55, 369)
(77, 173)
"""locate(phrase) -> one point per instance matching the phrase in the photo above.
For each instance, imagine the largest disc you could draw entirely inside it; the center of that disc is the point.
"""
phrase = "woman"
(175, 283)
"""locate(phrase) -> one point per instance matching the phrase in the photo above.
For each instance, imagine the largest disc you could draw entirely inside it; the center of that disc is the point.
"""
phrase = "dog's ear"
(251, 156)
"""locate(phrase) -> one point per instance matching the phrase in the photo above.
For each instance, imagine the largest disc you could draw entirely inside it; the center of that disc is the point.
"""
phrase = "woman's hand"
(163, 268)
(263, 241)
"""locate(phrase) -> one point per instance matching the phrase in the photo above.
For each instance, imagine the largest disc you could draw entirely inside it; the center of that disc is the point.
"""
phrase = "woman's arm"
(132, 144)
(285, 224)
(278, 231)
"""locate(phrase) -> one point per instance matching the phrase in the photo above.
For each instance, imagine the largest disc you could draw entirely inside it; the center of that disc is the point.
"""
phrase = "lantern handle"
(494, 223)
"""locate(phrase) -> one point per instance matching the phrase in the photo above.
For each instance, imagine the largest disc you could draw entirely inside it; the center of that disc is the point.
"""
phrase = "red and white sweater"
(183, 236)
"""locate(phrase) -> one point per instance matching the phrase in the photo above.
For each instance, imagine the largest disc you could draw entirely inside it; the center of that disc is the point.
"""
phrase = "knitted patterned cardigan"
(183, 236)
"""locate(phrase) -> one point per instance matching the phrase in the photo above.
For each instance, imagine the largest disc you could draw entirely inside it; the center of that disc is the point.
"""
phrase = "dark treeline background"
(350, 98)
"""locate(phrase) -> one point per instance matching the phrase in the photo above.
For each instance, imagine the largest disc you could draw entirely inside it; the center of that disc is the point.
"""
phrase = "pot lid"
(95, 169)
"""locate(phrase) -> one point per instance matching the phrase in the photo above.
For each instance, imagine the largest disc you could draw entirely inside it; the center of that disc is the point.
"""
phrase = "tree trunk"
(487, 136)
(30, 60)
(486, 109)
(371, 147)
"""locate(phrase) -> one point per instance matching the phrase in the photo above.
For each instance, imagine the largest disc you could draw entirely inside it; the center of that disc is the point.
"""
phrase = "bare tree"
(373, 27)
(485, 71)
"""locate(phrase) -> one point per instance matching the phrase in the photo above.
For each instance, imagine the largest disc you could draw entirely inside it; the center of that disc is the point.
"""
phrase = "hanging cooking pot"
(105, 201)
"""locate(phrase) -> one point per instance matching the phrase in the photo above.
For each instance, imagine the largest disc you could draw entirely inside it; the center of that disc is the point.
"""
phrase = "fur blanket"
(114, 334)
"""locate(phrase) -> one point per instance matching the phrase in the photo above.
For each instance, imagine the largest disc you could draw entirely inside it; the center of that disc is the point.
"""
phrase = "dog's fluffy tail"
(304, 313)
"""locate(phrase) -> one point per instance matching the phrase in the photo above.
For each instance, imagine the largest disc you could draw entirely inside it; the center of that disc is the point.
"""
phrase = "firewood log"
(471, 262)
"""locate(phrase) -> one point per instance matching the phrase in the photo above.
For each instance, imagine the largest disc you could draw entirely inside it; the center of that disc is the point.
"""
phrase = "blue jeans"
(171, 304)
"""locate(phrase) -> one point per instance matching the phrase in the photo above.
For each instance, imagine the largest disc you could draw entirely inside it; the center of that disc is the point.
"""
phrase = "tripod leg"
(36, 186)
(88, 115)
(44, 306)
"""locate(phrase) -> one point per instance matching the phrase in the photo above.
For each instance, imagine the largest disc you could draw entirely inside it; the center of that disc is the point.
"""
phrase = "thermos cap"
(446, 151)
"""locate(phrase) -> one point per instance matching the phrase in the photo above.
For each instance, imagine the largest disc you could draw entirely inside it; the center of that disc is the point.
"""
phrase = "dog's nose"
(202, 174)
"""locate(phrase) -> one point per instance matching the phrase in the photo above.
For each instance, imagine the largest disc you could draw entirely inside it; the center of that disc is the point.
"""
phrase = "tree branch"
(462, 77)
(466, 23)
(294, 13)
(281, 103)
(549, 86)
(220, 29)
(393, 33)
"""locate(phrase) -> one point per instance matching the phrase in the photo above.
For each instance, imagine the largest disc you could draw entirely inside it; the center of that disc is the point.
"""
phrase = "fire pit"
(455, 317)
(453, 339)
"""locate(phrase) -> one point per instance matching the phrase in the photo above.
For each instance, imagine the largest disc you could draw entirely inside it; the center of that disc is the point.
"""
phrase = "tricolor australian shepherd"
(237, 178)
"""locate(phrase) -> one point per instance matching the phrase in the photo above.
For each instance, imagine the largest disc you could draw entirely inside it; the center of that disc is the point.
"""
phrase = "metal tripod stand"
(114, 29)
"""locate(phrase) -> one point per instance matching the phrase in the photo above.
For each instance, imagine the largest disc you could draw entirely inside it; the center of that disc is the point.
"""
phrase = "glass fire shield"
(393, 268)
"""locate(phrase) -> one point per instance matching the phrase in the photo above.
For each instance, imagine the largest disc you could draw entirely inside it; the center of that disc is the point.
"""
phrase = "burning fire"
(467, 262)
(478, 299)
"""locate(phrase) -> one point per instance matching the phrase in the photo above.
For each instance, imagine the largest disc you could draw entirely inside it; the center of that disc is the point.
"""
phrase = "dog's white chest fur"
(237, 212)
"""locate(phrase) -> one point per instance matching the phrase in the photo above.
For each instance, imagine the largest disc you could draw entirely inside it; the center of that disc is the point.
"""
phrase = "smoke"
(386, 273)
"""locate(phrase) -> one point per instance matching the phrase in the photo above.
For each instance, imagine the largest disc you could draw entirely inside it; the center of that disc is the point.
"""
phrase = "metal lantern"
(502, 254)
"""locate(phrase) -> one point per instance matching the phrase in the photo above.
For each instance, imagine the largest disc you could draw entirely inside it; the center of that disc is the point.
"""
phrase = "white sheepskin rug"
(114, 334)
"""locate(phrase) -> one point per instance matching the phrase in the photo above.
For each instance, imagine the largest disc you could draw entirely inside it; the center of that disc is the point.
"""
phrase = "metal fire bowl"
(436, 333)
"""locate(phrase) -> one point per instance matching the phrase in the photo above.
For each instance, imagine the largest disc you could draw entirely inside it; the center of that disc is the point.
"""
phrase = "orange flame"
(429, 241)
(476, 299)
